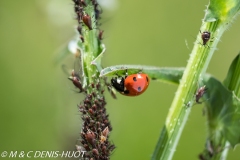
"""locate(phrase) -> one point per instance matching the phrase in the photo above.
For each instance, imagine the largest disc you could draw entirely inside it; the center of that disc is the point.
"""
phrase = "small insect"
(132, 85)
(97, 9)
(104, 135)
(79, 11)
(206, 36)
(79, 28)
(200, 92)
(76, 81)
(90, 136)
(83, 3)
(76, 73)
(100, 35)
(82, 39)
(87, 21)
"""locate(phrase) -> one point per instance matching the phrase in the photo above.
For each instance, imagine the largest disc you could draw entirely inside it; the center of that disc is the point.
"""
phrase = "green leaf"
(223, 112)
(164, 74)
(232, 81)
(223, 10)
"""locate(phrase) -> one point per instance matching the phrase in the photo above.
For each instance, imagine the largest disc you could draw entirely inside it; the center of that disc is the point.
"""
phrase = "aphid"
(79, 28)
(100, 35)
(90, 137)
(87, 21)
(206, 36)
(79, 13)
(77, 83)
(132, 85)
(82, 39)
(95, 151)
(200, 92)
(104, 135)
(83, 3)
(97, 9)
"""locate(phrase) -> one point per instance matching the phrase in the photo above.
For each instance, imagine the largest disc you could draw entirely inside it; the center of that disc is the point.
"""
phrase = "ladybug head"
(118, 84)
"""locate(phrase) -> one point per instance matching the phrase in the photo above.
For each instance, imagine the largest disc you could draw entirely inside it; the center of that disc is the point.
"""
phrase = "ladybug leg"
(200, 94)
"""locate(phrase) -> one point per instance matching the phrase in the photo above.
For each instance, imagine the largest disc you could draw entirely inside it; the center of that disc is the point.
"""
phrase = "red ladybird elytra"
(132, 85)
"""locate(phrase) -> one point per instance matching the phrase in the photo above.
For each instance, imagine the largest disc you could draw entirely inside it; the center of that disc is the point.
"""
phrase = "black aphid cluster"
(84, 18)
(96, 126)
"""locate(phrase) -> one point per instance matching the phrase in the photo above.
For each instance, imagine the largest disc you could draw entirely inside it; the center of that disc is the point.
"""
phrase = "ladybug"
(132, 85)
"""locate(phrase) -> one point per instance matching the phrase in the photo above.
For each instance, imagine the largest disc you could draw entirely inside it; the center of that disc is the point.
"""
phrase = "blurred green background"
(38, 104)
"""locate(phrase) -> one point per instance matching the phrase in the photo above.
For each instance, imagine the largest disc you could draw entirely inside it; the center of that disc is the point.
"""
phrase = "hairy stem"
(184, 98)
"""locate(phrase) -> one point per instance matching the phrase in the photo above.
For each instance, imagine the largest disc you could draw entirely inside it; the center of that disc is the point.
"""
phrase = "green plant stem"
(179, 112)
(95, 128)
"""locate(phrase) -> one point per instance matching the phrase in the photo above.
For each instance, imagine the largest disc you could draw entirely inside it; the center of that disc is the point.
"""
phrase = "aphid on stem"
(198, 95)
(205, 36)
(87, 21)
(83, 3)
(82, 39)
(77, 83)
(100, 34)
(200, 92)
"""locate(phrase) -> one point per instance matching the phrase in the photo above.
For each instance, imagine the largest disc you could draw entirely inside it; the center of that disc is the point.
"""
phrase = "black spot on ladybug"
(139, 89)
(134, 79)
(147, 79)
